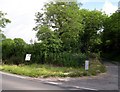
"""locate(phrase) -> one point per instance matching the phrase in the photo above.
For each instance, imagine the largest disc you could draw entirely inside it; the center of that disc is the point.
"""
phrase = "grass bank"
(38, 70)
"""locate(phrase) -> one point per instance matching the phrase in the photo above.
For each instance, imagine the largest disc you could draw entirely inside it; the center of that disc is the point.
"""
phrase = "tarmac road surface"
(108, 81)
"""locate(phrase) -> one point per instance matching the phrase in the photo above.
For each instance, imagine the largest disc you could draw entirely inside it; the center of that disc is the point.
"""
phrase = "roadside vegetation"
(43, 70)
(68, 36)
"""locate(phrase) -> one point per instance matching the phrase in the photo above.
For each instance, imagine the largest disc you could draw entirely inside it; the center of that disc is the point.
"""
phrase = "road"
(107, 81)
(16, 82)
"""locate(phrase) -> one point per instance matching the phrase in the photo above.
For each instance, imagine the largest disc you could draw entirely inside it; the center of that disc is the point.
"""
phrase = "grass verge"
(37, 70)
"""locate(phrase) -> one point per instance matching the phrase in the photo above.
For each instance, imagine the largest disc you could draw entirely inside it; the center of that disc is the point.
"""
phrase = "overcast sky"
(22, 14)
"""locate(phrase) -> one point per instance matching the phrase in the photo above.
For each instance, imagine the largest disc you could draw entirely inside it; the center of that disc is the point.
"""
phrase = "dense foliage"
(76, 28)
(68, 35)
(13, 50)
(65, 29)
(3, 22)
(111, 37)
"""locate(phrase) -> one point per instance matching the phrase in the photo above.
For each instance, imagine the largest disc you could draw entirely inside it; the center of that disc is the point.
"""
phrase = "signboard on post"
(86, 64)
(28, 57)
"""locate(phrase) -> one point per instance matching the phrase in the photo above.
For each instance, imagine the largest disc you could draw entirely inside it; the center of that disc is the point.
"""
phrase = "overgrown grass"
(35, 70)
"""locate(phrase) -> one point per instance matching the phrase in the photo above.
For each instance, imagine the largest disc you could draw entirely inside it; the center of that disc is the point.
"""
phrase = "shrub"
(66, 59)
(14, 60)
(93, 55)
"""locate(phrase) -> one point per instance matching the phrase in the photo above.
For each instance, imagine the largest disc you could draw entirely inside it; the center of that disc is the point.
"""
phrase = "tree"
(7, 48)
(3, 22)
(111, 36)
(13, 51)
(50, 43)
(64, 20)
(19, 47)
(64, 30)
(93, 24)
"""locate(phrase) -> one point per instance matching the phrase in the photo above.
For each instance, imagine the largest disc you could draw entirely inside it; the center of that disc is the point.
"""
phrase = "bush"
(93, 55)
(13, 51)
(66, 59)
(43, 70)
(95, 65)
(14, 60)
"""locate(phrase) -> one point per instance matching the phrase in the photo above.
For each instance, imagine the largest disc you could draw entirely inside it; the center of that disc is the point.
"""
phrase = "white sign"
(86, 64)
(28, 57)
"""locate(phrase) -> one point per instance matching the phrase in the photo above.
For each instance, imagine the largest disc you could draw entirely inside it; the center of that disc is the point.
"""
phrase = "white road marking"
(14, 75)
(55, 83)
(84, 88)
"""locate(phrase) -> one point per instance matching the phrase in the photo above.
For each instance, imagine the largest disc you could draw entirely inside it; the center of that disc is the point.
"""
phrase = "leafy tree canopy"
(93, 24)
(111, 33)
(61, 20)
(3, 22)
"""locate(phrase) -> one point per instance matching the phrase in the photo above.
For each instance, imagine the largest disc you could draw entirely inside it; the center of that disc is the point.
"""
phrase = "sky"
(22, 14)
